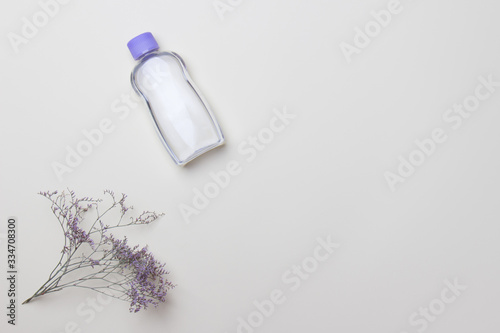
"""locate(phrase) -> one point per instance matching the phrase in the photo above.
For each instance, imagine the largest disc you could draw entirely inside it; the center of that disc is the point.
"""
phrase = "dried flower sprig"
(112, 267)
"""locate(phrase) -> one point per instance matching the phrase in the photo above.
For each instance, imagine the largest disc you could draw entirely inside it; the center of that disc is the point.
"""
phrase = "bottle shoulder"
(155, 62)
(155, 55)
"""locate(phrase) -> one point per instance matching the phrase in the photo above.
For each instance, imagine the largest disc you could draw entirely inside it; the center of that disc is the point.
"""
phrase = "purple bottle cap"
(142, 44)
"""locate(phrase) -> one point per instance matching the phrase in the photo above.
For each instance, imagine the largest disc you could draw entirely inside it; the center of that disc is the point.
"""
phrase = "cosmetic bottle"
(183, 119)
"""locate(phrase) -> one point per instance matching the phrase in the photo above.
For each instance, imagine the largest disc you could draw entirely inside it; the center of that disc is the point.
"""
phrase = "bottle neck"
(147, 55)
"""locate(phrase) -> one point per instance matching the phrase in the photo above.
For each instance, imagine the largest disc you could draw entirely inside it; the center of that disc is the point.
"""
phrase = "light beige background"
(323, 175)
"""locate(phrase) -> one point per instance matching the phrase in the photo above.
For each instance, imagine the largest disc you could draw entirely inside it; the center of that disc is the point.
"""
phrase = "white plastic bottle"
(183, 119)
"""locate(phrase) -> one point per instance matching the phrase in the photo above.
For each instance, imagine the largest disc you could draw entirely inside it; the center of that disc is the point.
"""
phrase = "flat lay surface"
(357, 190)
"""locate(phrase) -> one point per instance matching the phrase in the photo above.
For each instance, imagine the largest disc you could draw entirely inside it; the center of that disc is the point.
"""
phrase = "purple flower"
(93, 262)
(118, 270)
(148, 285)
